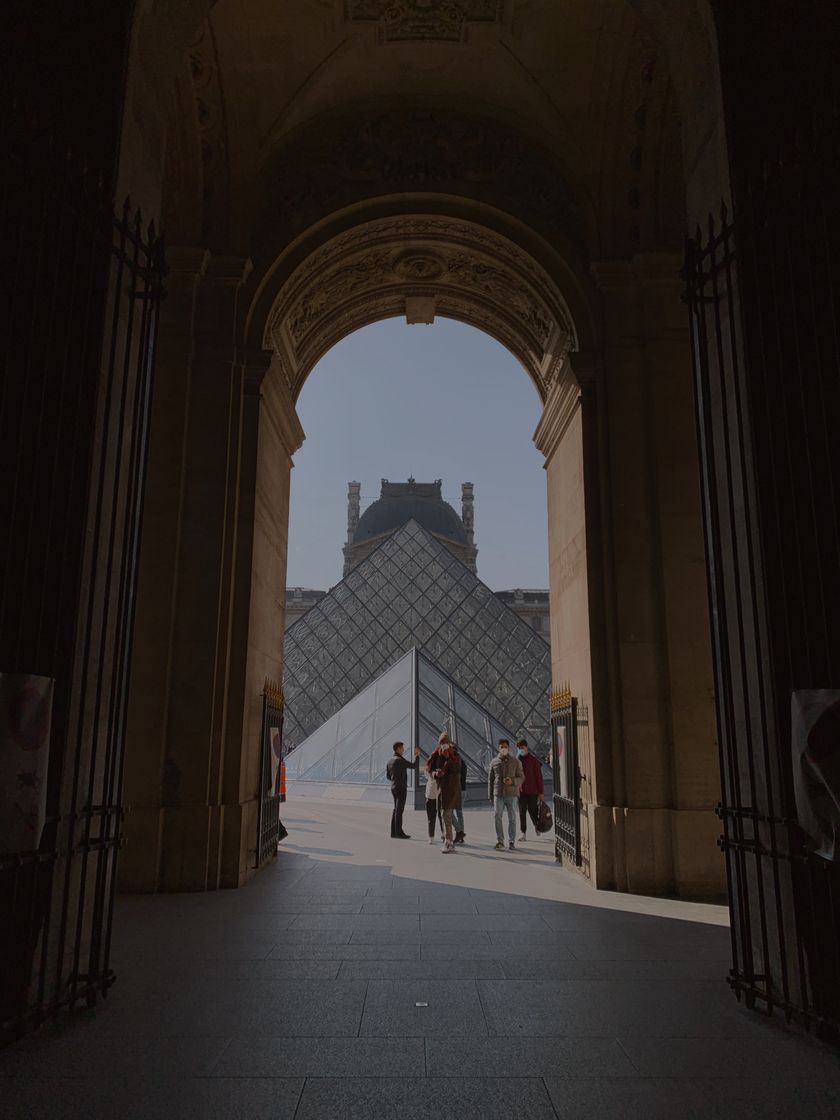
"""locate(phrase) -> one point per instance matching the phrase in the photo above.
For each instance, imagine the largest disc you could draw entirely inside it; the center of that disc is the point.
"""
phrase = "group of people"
(514, 782)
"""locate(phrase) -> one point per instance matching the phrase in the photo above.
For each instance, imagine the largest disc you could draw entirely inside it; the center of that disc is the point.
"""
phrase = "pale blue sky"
(443, 401)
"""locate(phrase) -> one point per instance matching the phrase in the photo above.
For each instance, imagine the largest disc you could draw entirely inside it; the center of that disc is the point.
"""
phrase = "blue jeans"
(458, 819)
(500, 804)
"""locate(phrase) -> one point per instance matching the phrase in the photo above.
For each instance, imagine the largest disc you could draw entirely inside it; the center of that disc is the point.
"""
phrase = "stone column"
(564, 436)
(151, 667)
(271, 433)
(222, 439)
(628, 593)
(655, 796)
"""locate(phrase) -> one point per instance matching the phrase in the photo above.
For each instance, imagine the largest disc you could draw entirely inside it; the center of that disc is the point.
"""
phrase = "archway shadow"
(338, 985)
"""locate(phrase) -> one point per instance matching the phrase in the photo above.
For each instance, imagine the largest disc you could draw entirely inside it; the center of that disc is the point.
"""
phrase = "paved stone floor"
(360, 978)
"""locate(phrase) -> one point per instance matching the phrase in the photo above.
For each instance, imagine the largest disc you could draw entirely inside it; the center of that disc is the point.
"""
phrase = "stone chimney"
(468, 518)
(354, 490)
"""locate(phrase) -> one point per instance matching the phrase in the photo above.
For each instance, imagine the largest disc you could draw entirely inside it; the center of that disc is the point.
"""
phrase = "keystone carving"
(454, 268)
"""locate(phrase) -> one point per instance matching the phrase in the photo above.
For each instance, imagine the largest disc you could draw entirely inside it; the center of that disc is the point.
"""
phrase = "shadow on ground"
(332, 987)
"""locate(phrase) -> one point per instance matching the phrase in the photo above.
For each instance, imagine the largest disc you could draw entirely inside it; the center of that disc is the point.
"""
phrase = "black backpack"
(544, 818)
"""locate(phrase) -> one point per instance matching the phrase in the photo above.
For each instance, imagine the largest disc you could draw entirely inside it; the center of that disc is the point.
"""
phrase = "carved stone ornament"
(394, 266)
(209, 104)
(361, 155)
(423, 20)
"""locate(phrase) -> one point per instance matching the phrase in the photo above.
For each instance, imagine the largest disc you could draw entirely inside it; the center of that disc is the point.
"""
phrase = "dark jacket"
(532, 768)
(501, 768)
(397, 771)
(448, 774)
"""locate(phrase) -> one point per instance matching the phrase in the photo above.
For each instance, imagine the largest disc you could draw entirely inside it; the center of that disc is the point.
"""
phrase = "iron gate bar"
(97, 357)
(268, 803)
(782, 895)
(567, 809)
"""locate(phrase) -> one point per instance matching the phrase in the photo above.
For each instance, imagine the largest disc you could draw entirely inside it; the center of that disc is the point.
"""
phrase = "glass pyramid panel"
(444, 611)
(412, 702)
(355, 743)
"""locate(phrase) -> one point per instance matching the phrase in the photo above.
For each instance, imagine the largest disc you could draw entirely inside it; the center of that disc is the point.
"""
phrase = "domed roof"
(391, 512)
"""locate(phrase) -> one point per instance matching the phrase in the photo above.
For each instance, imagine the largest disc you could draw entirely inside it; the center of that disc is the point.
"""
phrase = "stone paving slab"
(464, 1098)
(297, 997)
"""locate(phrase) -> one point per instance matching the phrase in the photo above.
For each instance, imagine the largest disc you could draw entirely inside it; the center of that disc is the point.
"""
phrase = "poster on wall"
(25, 716)
(276, 741)
(562, 762)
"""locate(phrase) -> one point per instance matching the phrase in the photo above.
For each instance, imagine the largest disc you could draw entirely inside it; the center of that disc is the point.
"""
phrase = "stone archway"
(346, 210)
(420, 266)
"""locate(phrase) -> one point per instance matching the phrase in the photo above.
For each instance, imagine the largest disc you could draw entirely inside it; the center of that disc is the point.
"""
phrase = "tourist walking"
(458, 814)
(397, 772)
(446, 763)
(432, 807)
(532, 790)
(503, 781)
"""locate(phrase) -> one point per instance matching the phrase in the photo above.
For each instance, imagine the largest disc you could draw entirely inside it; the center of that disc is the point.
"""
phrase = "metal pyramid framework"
(410, 702)
(412, 592)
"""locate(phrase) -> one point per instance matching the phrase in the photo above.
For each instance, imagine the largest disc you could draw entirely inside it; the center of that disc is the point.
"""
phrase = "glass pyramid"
(412, 702)
(412, 592)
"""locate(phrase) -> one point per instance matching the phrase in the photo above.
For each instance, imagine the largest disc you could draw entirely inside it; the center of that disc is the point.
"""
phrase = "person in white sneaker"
(503, 781)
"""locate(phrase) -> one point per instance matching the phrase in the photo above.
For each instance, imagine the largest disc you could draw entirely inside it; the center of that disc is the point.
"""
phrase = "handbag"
(544, 818)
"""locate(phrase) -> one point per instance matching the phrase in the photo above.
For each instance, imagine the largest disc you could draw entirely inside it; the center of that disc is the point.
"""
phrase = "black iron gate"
(268, 816)
(564, 756)
(784, 898)
(79, 330)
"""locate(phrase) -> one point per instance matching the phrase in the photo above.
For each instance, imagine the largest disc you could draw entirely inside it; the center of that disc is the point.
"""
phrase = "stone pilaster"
(653, 765)
(151, 676)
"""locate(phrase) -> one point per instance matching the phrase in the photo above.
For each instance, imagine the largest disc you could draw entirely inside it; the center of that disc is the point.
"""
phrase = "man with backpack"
(532, 790)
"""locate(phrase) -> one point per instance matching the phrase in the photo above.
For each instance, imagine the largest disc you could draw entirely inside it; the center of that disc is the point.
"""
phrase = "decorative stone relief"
(420, 266)
(423, 20)
(350, 158)
(209, 104)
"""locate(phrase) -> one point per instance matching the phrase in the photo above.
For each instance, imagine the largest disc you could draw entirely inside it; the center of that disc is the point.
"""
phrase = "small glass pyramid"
(412, 702)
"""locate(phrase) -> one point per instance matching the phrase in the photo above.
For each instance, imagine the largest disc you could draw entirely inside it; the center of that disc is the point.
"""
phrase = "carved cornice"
(228, 270)
(459, 269)
(423, 20)
(279, 412)
(561, 406)
(186, 263)
(255, 365)
(643, 269)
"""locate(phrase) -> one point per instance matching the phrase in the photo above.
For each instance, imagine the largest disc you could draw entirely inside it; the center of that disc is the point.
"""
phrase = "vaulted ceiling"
(560, 112)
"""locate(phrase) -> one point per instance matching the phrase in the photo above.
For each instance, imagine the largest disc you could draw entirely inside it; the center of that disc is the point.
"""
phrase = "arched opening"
(442, 416)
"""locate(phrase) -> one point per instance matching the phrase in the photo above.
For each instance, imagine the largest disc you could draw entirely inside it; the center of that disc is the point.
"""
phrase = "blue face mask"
(520, 752)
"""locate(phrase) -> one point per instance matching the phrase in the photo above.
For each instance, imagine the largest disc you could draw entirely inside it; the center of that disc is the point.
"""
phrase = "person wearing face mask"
(445, 765)
(503, 783)
(458, 814)
(532, 790)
